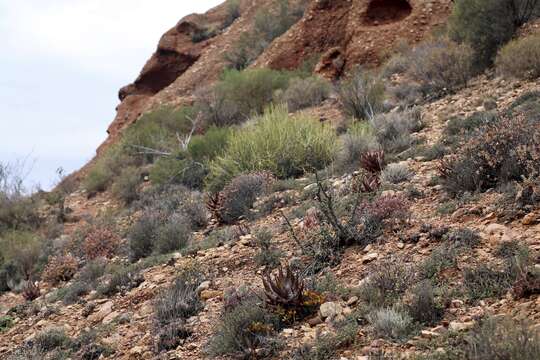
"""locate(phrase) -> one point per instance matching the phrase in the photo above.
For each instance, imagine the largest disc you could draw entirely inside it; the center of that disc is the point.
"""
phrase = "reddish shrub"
(388, 206)
(60, 268)
(31, 291)
(101, 242)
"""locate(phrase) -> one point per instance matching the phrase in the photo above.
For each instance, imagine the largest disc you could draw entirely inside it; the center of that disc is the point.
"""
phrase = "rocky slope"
(345, 33)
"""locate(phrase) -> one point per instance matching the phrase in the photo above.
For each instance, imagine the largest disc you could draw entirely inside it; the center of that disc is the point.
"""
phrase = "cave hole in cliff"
(381, 12)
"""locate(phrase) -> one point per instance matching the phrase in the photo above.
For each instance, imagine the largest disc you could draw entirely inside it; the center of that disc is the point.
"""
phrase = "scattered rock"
(330, 310)
(210, 294)
(461, 326)
(369, 257)
(205, 285)
(353, 300)
(104, 310)
(530, 219)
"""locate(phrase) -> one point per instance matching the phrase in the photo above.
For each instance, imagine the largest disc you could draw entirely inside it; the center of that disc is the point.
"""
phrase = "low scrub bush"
(208, 146)
(359, 139)
(268, 255)
(387, 282)
(240, 95)
(238, 197)
(422, 305)
(486, 25)
(174, 235)
(391, 323)
(101, 242)
(458, 130)
(396, 173)
(442, 258)
(527, 105)
(60, 268)
(277, 143)
(6, 322)
(17, 210)
(440, 65)
(51, 339)
(268, 25)
(361, 94)
(119, 279)
(20, 256)
(463, 237)
(177, 303)
(126, 186)
(504, 338)
(233, 13)
(74, 292)
(325, 347)
(105, 169)
(141, 236)
(178, 170)
(247, 329)
(503, 151)
(520, 58)
(303, 93)
(394, 130)
(482, 282)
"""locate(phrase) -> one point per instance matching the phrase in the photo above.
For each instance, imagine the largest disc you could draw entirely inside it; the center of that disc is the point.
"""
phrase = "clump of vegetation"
(422, 305)
(283, 145)
(487, 25)
(269, 24)
(396, 173)
(387, 283)
(120, 278)
(60, 268)
(483, 281)
(361, 94)
(442, 258)
(268, 255)
(440, 65)
(172, 307)
(326, 346)
(458, 130)
(391, 323)
(303, 93)
(359, 139)
(241, 94)
(245, 330)
(500, 153)
(504, 338)
(126, 185)
(394, 130)
(101, 242)
(520, 58)
(463, 237)
(5, 323)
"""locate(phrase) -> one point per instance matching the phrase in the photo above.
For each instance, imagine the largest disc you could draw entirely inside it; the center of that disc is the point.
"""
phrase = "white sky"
(61, 65)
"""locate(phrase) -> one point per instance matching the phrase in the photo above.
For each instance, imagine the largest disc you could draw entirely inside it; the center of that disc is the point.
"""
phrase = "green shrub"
(20, 256)
(361, 94)
(238, 197)
(121, 278)
(359, 139)
(5, 323)
(126, 185)
(394, 130)
(207, 147)
(396, 173)
(504, 338)
(501, 152)
(440, 65)
(486, 25)
(482, 282)
(326, 346)
(141, 236)
(520, 58)
(233, 13)
(179, 302)
(268, 255)
(51, 339)
(442, 258)
(387, 282)
(303, 93)
(239, 95)
(277, 143)
(422, 305)
(463, 237)
(174, 235)
(391, 323)
(179, 170)
(18, 211)
(268, 25)
(106, 167)
(74, 292)
(242, 330)
(459, 130)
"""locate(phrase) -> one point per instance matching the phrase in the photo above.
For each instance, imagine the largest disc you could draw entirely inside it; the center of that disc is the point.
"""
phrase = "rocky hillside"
(298, 180)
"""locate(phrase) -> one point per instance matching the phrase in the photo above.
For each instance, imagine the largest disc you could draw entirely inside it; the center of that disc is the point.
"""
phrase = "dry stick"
(293, 233)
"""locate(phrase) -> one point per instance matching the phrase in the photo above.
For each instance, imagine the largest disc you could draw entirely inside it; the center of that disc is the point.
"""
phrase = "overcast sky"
(61, 65)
